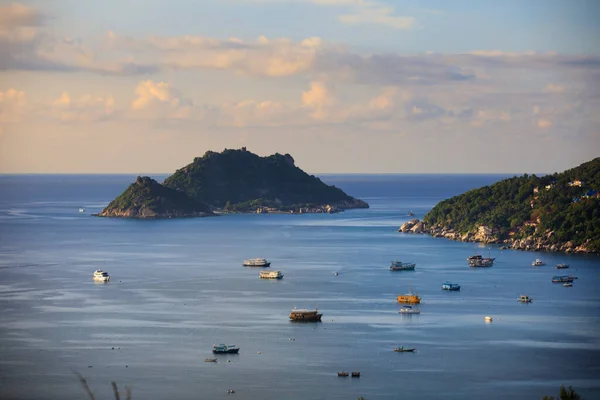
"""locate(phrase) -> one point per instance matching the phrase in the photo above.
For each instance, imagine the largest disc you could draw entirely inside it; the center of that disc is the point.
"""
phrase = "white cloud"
(553, 88)
(544, 123)
(160, 100)
(369, 12)
(85, 108)
(12, 105)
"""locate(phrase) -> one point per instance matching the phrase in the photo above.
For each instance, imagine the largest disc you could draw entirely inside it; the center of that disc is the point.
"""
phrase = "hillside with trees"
(551, 212)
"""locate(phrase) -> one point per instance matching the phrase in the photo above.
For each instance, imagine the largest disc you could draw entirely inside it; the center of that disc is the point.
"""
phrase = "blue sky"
(343, 85)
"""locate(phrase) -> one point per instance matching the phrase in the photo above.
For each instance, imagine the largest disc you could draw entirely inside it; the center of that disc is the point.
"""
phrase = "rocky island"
(558, 212)
(231, 181)
(148, 199)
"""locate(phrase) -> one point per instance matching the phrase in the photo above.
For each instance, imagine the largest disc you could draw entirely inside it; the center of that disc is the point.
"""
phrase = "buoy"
(259, 352)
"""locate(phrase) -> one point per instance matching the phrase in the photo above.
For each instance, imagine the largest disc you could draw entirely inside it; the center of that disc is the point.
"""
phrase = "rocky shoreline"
(486, 235)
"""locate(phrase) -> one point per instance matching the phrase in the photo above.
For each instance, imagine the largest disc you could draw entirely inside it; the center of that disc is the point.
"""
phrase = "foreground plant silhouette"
(115, 388)
(565, 394)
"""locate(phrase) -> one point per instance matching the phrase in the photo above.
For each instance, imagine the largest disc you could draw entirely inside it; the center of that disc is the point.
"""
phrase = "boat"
(562, 266)
(488, 319)
(402, 266)
(479, 261)
(355, 374)
(409, 310)
(101, 276)
(568, 284)
(410, 213)
(538, 263)
(82, 209)
(450, 286)
(225, 349)
(336, 273)
(402, 349)
(256, 262)
(303, 315)
(524, 299)
(409, 297)
(562, 279)
(210, 360)
(343, 373)
(230, 391)
(270, 274)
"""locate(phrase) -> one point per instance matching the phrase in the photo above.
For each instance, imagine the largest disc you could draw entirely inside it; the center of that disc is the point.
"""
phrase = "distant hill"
(238, 180)
(558, 212)
(146, 198)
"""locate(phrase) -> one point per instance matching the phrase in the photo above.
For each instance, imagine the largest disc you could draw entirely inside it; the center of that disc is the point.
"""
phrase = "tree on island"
(564, 394)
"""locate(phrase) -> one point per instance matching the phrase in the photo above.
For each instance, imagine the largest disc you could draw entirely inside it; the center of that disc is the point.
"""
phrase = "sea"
(178, 286)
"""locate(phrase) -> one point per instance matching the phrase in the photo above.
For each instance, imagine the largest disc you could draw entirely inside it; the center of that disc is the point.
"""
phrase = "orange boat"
(410, 297)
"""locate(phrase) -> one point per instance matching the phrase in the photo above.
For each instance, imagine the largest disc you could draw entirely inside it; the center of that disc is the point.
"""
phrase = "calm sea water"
(178, 287)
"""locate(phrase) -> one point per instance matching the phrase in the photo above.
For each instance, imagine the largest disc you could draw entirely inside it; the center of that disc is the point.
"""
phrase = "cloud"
(159, 99)
(552, 88)
(12, 105)
(544, 123)
(369, 12)
(18, 15)
(86, 108)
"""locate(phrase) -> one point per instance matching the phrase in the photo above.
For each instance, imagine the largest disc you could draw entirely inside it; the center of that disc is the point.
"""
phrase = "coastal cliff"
(558, 212)
(241, 181)
(148, 199)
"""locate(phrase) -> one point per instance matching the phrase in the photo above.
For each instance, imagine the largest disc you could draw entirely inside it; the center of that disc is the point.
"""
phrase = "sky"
(344, 86)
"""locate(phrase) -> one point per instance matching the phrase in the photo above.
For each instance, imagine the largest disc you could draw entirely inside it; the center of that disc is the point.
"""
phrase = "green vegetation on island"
(231, 181)
(558, 212)
(238, 180)
(146, 198)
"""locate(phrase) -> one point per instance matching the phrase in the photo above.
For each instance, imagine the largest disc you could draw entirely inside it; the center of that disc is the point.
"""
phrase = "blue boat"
(225, 349)
(402, 266)
(450, 286)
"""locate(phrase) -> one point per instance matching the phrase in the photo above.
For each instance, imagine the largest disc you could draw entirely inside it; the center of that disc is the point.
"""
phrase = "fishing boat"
(402, 266)
(538, 263)
(210, 360)
(343, 373)
(304, 315)
(524, 299)
(563, 279)
(355, 374)
(479, 261)
(568, 284)
(409, 310)
(256, 262)
(270, 274)
(101, 276)
(450, 286)
(403, 349)
(562, 266)
(225, 349)
(82, 209)
(409, 297)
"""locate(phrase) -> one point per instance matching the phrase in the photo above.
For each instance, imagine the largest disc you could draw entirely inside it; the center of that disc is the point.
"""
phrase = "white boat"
(409, 310)
(524, 299)
(256, 262)
(270, 275)
(82, 210)
(101, 276)
(538, 263)
(488, 319)
(568, 284)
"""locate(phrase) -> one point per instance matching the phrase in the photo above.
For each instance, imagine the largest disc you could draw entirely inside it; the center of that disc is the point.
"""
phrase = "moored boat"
(210, 360)
(82, 209)
(450, 286)
(568, 284)
(409, 310)
(402, 349)
(101, 276)
(256, 262)
(524, 299)
(562, 279)
(410, 297)
(303, 315)
(225, 349)
(343, 373)
(479, 261)
(538, 263)
(562, 266)
(402, 266)
(270, 274)
(488, 318)
(355, 374)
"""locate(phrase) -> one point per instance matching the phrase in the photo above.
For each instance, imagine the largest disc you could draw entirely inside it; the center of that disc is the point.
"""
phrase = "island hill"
(559, 212)
(231, 181)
